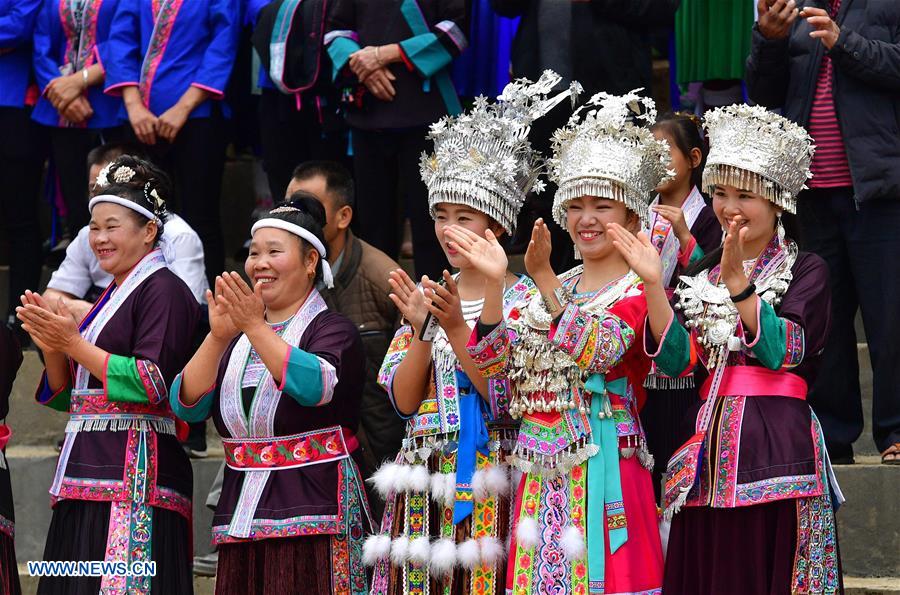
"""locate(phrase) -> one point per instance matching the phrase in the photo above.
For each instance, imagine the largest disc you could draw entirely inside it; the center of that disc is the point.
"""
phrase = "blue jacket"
(50, 42)
(199, 51)
(16, 29)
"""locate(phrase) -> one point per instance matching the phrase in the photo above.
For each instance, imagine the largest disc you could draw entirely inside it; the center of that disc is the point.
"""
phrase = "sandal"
(891, 456)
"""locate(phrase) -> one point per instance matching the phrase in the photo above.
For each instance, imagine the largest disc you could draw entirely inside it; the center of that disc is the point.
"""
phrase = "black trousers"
(388, 188)
(290, 136)
(69, 148)
(22, 151)
(196, 163)
(861, 246)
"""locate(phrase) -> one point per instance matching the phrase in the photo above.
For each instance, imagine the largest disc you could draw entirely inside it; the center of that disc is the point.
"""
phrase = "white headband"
(124, 202)
(303, 233)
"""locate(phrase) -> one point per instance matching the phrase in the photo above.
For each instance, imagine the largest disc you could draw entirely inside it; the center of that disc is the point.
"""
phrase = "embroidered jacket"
(760, 449)
(288, 446)
(455, 442)
(66, 42)
(166, 46)
(595, 339)
(17, 18)
(120, 440)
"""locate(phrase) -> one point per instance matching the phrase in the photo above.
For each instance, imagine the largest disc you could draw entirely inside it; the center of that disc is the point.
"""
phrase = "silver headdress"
(754, 149)
(608, 154)
(483, 159)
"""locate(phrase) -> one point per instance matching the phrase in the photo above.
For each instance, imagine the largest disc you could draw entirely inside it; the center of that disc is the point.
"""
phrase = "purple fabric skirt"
(275, 566)
(739, 551)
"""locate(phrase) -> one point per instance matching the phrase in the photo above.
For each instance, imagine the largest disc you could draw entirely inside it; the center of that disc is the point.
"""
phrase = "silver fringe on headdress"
(608, 153)
(483, 158)
(754, 149)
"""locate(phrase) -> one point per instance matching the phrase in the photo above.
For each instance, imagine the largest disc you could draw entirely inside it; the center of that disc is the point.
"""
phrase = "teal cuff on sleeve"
(426, 53)
(199, 411)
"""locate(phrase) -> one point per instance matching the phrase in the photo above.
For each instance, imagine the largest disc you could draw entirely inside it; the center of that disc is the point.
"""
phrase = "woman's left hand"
(537, 256)
(444, 302)
(732, 264)
(52, 332)
(243, 303)
(64, 90)
(364, 62)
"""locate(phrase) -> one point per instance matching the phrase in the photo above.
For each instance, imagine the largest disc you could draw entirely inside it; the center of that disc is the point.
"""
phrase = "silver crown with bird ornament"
(754, 149)
(607, 150)
(483, 158)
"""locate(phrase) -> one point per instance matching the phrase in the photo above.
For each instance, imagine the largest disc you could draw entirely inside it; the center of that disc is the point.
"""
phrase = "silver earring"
(779, 229)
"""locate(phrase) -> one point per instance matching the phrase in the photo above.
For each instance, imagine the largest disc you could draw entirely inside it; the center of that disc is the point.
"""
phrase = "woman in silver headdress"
(753, 484)
(447, 514)
(585, 511)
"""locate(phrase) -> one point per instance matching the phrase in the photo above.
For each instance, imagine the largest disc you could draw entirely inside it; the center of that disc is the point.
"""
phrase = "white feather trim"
(497, 480)
(450, 489)
(469, 554)
(384, 479)
(438, 487)
(527, 532)
(419, 478)
(375, 548)
(443, 556)
(401, 478)
(480, 485)
(400, 550)
(420, 550)
(491, 550)
(572, 543)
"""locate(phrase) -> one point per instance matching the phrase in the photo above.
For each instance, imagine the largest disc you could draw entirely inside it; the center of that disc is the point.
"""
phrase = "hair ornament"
(123, 175)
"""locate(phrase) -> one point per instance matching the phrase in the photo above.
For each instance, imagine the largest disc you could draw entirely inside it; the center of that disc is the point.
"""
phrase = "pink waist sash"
(756, 381)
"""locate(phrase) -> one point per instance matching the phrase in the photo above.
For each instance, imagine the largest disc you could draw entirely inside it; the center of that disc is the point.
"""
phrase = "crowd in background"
(334, 101)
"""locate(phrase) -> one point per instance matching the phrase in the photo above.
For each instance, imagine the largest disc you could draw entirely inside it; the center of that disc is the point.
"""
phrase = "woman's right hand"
(410, 301)
(638, 252)
(221, 326)
(379, 84)
(78, 111)
(143, 122)
(484, 253)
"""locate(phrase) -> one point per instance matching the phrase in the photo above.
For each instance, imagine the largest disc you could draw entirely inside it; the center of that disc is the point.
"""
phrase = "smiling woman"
(121, 472)
(282, 377)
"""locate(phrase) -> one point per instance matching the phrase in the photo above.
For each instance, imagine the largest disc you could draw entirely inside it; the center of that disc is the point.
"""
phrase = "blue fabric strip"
(416, 21)
(473, 438)
(604, 484)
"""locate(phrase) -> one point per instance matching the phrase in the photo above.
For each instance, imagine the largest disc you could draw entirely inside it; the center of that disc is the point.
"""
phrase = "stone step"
(855, 585)
(868, 526)
(202, 585)
(32, 469)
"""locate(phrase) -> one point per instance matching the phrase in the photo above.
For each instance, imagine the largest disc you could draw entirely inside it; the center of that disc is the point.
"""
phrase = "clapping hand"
(443, 302)
(537, 256)
(484, 253)
(242, 303)
(732, 264)
(220, 324)
(51, 332)
(409, 300)
(638, 252)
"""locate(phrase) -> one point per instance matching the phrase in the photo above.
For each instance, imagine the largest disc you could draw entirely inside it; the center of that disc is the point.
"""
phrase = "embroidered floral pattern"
(153, 381)
(796, 344)
(165, 12)
(298, 450)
